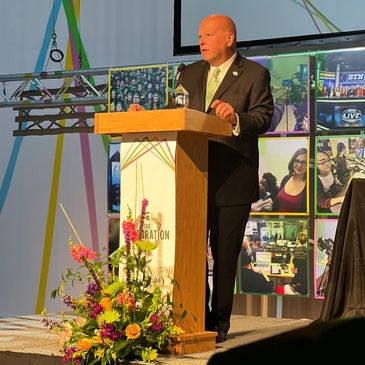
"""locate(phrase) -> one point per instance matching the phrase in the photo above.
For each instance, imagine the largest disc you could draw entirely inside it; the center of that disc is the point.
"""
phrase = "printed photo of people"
(340, 90)
(338, 160)
(325, 230)
(145, 85)
(274, 257)
(283, 176)
(289, 86)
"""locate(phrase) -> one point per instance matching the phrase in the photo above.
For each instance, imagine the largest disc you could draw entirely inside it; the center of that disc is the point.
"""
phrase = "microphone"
(180, 68)
(179, 96)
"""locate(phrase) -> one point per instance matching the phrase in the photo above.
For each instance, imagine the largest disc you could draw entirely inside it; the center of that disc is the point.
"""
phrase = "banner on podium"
(148, 171)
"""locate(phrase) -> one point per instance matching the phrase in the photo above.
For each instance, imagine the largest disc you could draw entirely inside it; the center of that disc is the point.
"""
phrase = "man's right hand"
(135, 108)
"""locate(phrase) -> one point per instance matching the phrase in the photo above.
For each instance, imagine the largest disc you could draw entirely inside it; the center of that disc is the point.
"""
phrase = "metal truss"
(55, 102)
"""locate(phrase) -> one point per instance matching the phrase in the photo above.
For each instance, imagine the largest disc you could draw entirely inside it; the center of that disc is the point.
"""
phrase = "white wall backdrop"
(114, 33)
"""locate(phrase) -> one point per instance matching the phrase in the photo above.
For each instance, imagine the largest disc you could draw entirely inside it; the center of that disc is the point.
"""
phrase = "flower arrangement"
(121, 315)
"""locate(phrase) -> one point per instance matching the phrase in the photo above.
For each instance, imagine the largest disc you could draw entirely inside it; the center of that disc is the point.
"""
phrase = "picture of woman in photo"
(328, 186)
(292, 193)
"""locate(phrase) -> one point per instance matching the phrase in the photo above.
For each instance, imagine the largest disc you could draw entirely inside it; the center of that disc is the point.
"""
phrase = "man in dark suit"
(242, 97)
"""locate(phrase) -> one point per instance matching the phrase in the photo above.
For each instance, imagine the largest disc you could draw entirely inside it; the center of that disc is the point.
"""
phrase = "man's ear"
(230, 39)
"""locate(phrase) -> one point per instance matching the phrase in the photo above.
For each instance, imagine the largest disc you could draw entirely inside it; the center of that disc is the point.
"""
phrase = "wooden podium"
(191, 129)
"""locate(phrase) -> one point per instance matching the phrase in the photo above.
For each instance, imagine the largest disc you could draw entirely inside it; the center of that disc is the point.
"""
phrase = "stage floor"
(24, 340)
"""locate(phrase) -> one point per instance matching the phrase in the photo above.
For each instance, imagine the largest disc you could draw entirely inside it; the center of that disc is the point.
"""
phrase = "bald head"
(217, 38)
(224, 22)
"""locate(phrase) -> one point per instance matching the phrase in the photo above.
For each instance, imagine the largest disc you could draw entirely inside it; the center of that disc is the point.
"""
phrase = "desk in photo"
(276, 274)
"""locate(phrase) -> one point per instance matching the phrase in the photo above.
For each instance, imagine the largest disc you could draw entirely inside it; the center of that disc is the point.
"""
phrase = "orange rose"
(106, 303)
(133, 331)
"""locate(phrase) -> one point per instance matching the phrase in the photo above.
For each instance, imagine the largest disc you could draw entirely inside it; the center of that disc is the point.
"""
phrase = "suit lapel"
(231, 76)
(202, 80)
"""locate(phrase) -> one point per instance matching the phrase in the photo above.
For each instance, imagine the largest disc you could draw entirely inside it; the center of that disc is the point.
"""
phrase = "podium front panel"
(147, 165)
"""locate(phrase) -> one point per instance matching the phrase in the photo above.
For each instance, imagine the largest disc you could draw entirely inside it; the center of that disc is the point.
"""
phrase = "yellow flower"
(97, 340)
(84, 344)
(109, 316)
(149, 354)
(133, 331)
(99, 354)
(176, 330)
(108, 342)
(114, 288)
(77, 354)
(106, 303)
(153, 355)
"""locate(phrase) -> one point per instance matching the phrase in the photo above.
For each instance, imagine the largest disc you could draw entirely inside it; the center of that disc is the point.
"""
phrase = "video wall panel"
(324, 234)
(275, 257)
(290, 79)
(340, 91)
(283, 176)
(338, 160)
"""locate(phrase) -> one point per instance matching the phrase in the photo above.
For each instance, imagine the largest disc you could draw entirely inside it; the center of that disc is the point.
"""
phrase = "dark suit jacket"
(233, 161)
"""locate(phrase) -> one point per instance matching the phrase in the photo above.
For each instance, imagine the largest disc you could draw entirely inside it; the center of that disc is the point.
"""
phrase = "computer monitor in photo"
(114, 177)
(350, 115)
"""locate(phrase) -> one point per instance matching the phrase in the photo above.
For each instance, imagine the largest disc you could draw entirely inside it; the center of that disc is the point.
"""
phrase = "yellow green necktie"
(212, 87)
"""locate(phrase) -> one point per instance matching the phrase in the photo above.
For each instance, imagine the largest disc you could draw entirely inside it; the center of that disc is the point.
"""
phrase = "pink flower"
(79, 253)
(144, 205)
(107, 330)
(96, 309)
(69, 353)
(129, 231)
(156, 324)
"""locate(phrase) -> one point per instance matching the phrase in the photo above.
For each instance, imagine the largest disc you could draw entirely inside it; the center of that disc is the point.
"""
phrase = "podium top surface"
(165, 120)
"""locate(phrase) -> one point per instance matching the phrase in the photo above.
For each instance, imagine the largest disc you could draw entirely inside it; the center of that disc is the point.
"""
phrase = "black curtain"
(345, 293)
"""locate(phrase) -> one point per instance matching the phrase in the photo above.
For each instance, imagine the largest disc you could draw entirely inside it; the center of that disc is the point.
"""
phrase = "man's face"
(155, 98)
(263, 184)
(214, 42)
(136, 98)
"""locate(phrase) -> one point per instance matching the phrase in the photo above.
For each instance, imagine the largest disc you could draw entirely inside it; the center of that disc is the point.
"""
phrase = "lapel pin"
(235, 73)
